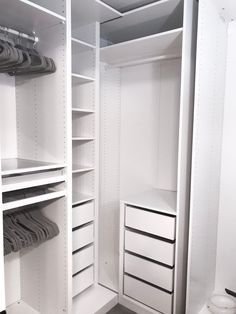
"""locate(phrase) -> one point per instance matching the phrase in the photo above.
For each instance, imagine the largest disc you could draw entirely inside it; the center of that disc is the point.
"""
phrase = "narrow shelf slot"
(78, 198)
(78, 138)
(82, 111)
(81, 45)
(81, 168)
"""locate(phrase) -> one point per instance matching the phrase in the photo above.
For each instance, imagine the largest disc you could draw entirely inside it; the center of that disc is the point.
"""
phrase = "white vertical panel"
(206, 161)
(2, 277)
(226, 252)
(8, 117)
(185, 150)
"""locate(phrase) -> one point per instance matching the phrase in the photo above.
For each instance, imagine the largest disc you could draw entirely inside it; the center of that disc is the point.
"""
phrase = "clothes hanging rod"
(32, 38)
(146, 60)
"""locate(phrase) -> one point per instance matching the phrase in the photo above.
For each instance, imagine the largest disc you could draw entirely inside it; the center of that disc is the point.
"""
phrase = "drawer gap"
(83, 203)
(81, 249)
(150, 235)
(82, 226)
(152, 211)
(82, 270)
(148, 283)
(150, 260)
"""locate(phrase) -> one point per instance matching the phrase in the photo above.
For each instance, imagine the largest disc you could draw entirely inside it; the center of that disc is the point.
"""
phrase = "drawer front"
(154, 223)
(155, 274)
(82, 214)
(82, 281)
(82, 237)
(83, 259)
(148, 295)
(146, 246)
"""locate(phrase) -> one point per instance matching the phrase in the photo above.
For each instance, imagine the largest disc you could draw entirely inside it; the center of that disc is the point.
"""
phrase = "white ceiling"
(127, 5)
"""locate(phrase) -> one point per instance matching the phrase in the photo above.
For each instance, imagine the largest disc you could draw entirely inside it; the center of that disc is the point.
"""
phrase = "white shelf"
(24, 184)
(33, 200)
(78, 138)
(81, 79)
(145, 20)
(96, 299)
(96, 11)
(157, 200)
(82, 111)
(26, 16)
(19, 166)
(80, 168)
(20, 308)
(164, 44)
(78, 198)
(80, 46)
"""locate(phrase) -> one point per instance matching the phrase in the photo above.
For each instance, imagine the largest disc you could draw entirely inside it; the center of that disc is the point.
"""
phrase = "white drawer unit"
(148, 295)
(158, 250)
(83, 280)
(156, 274)
(83, 236)
(83, 259)
(82, 214)
(158, 224)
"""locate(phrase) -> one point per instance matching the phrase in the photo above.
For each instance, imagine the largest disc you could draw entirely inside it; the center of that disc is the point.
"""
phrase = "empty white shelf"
(81, 79)
(79, 138)
(80, 45)
(81, 168)
(18, 166)
(164, 44)
(27, 16)
(78, 198)
(96, 11)
(33, 200)
(157, 200)
(148, 18)
(82, 111)
(20, 308)
(95, 299)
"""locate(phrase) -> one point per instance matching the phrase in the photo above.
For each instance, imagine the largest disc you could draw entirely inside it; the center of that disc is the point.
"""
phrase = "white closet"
(109, 134)
(212, 254)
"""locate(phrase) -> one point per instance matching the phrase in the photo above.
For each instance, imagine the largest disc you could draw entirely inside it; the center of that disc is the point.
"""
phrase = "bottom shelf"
(96, 299)
(20, 308)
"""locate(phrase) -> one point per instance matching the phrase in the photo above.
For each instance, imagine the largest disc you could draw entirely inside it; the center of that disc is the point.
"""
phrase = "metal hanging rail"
(32, 38)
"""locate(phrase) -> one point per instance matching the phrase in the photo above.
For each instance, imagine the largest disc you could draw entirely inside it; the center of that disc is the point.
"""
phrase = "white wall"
(226, 243)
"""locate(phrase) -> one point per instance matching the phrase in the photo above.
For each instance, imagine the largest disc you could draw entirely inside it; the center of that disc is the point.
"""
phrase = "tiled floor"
(119, 309)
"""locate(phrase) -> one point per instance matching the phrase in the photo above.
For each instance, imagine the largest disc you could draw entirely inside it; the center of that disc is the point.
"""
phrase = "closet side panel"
(109, 190)
(8, 137)
(149, 126)
(2, 286)
(206, 160)
(226, 253)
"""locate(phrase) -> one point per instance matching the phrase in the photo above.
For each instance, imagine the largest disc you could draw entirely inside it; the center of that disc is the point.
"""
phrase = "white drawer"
(155, 274)
(82, 214)
(158, 250)
(82, 236)
(154, 223)
(83, 259)
(148, 295)
(82, 281)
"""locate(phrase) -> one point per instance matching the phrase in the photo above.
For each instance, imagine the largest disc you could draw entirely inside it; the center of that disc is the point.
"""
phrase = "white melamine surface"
(153, 223)
(148, 295)
(80, 168)
(13, 14)
(83, 236)
(151, 272)
(83, 259)
(96, 299)
(158, 250)
(154, 199)
(21, 308)
(82, 214)
(81, 79)
(149, 19)
(80, 45)
(78, 198)
(83, 280)
(226, 253)
(90, 11)
(167, 43)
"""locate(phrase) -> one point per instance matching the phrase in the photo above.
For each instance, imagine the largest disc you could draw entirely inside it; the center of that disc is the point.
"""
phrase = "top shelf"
(149, 19)
(164, 44)
(157, 200)
(18, 166)
(26, 16)
(96, 11)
